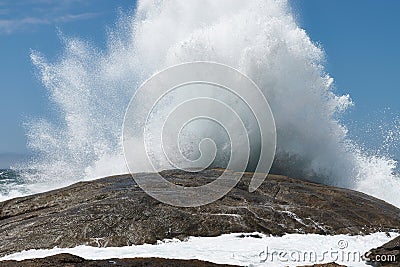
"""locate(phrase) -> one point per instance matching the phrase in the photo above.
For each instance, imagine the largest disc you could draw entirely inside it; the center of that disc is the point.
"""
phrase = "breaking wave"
(91, 88)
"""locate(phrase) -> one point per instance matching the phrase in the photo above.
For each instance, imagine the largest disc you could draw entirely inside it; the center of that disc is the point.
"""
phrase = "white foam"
(231, 249)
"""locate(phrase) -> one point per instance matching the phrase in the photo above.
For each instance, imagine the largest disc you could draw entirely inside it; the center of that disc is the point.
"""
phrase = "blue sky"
(361, 39)
(34, 24)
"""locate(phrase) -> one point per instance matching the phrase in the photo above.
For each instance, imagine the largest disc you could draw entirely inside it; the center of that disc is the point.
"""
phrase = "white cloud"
(27, 15)
(75, 17)
(8, 26)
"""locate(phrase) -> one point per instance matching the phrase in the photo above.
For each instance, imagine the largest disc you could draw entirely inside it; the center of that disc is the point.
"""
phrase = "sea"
(9, 179)
(13, 183)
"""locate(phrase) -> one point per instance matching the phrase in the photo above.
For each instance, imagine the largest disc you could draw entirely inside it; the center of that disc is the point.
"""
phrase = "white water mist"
(90, 89)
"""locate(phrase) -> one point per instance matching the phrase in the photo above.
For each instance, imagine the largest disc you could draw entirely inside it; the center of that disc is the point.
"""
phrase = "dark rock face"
(114, 211)
(332, 264)
(68, 260)
(387, 255)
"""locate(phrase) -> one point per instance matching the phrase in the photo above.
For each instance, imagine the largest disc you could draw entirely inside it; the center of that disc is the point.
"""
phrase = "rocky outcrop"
(68, 260)
(387, 255)
(332, 264)
(114, 211)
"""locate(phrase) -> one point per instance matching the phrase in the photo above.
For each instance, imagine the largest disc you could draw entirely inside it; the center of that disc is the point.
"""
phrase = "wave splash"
(91, 88)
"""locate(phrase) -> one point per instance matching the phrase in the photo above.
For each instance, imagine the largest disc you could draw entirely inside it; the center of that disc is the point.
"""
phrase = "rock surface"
(387, 255)
(68, 260)
(332, 264)
(114, 211)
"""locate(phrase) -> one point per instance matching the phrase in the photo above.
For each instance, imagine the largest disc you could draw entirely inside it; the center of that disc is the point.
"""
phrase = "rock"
(68, 260)
(387, 255)
(332, 264)
(114, 211)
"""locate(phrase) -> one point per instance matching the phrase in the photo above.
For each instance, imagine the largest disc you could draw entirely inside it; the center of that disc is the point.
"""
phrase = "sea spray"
(91, 88)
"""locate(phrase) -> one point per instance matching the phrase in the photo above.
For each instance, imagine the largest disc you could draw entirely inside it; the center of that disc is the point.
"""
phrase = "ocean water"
(9, 180)
(12, 184)
(90, 89)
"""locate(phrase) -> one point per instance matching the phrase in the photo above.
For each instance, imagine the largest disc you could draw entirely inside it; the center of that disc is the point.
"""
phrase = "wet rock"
(387, 255)
(114, 211)
(332, 264)
(68, 260)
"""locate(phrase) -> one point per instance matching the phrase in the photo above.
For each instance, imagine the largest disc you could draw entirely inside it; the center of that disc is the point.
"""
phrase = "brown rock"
(68, 260)
(114, 211)
(387, 255)
(332, 264)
